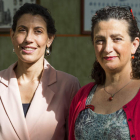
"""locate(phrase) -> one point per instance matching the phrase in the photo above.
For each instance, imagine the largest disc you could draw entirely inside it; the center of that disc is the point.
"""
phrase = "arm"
(75, 87)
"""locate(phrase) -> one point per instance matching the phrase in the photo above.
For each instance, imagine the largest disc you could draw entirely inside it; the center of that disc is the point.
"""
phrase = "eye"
(21, 30)
(38, 31)
(99, 41)
(117, 39)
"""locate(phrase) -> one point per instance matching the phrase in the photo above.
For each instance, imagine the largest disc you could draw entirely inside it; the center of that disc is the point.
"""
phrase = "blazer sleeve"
(74, 89)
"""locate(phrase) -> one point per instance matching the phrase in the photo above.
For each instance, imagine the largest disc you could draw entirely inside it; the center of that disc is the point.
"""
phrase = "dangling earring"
(132, 56)
(13, 50)
(47, 52)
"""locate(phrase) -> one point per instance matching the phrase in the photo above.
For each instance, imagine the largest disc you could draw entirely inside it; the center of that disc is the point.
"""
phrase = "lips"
(28, 49)
(109, 57)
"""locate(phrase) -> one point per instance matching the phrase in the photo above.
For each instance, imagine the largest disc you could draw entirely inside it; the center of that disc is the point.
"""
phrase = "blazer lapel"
(12, 104)
(42, 97)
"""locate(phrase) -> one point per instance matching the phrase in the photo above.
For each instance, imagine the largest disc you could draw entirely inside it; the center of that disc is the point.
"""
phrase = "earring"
(132, 56)
(47, 52)
(13, 50)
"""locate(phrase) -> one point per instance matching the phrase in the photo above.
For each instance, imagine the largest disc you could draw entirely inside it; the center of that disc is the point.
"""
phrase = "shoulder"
(6, 74)
(65, 85)
(59, 77)
(61, 81)
(78, 101)
(2, 72)
(63, 76)
(83, 92)
(9, 69)
(70, 83)
(86, 88)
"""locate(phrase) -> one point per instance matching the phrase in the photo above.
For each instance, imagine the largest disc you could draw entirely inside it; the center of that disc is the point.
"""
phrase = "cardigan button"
(125, 106)
(129, 119)
(132, 136)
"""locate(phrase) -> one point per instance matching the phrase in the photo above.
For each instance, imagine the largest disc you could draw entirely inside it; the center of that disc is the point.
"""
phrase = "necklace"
(112, 95)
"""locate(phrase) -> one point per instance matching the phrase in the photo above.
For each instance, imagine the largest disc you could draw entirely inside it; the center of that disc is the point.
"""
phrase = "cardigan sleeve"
(77, 105)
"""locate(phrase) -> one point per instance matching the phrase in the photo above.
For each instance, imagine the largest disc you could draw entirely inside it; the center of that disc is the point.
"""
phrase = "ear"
(50, 40)
(12, 35)
(135, 45)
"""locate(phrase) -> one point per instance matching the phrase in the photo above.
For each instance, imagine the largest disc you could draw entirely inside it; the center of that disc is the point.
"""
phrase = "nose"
(29, 37)
(108, 46)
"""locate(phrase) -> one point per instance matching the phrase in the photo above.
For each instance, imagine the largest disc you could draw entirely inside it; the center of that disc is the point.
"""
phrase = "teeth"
(29, 49)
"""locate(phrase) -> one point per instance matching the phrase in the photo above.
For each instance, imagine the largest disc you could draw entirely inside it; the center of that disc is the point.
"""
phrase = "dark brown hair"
(119, 13)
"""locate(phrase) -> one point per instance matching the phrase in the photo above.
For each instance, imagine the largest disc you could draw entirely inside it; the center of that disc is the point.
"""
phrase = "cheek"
(18, 40)
(98, 50)
(125, 49)
(41, 41)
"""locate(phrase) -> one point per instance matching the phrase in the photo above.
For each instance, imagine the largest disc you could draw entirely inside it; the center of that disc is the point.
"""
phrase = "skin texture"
(30, 40)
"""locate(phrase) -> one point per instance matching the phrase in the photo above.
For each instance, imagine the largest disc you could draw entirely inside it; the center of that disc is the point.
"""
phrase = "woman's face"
(30, 38)
(113, 46)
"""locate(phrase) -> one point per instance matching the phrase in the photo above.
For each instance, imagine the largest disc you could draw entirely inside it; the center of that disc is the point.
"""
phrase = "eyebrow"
(27, 28)
(99, 36)
(113, 35)
(39, 27)
(21, 26)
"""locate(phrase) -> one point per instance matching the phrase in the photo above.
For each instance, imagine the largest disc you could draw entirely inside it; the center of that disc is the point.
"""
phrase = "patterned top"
(92, 126)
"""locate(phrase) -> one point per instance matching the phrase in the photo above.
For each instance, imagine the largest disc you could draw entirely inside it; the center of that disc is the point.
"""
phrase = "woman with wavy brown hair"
(109, 108)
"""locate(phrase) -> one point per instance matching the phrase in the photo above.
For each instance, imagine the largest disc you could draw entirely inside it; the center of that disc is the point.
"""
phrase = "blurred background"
(72, 52)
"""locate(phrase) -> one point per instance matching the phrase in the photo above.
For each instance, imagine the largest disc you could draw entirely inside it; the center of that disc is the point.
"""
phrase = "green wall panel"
(66, 14)
(7, 56)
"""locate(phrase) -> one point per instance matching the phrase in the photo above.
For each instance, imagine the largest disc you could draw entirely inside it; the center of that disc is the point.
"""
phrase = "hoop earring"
(13, 50)
(47, 52)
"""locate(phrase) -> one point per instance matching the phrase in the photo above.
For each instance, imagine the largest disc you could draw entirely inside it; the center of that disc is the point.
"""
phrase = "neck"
(118, 78)
(28, 71)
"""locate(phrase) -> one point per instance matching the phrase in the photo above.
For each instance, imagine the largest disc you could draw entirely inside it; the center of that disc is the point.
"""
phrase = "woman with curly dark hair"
(109, 108)
(34, 97)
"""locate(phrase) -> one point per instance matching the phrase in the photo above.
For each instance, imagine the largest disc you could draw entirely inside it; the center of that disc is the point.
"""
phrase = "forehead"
(29, 19)
(111, 26)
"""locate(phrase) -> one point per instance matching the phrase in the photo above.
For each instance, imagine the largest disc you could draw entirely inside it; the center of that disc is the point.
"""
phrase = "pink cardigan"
(132, 110)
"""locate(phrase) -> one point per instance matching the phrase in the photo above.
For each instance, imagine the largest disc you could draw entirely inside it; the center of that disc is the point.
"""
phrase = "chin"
(111, 68)
(27, 60)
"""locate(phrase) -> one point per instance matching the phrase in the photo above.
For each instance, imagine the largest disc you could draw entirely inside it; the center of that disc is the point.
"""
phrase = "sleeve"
(76, 106)
(75, 88)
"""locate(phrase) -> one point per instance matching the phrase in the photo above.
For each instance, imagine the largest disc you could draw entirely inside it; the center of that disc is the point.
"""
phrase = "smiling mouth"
(28, 50)
(110, 57)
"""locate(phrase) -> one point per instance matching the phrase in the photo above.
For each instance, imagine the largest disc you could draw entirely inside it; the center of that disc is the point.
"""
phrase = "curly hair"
(35, 9)
(119, 13)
